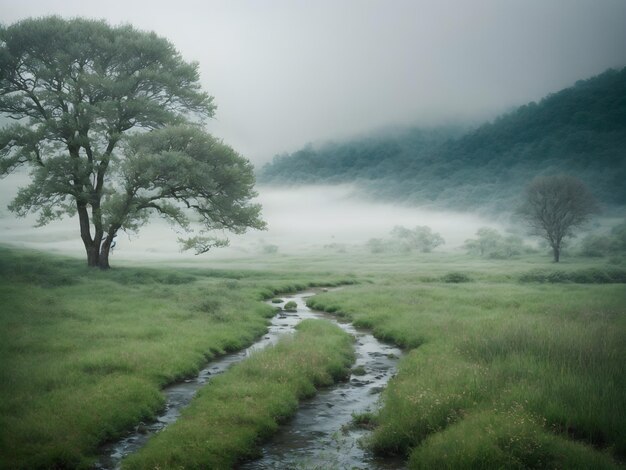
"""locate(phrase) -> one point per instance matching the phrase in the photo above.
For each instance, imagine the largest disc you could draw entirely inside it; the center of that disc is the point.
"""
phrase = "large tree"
(554, 206)
(109, 121)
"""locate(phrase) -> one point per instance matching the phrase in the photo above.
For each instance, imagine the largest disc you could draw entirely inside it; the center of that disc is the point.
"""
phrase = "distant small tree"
(402, 238)
(425, 239)
(596, 245)
(605, 244)
(376, 245)
(512, 246)
(490, 243)
(269, 249)
(421, 238)
(554, 206)
(486, 240)
(618, 233)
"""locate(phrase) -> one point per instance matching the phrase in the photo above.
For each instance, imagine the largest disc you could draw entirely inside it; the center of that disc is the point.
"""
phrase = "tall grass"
(84, 353)
(555, 353)
(243, 406)
(508, 440)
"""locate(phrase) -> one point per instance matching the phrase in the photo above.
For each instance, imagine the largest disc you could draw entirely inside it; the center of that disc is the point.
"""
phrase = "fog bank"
(284, 73)
(304, 218)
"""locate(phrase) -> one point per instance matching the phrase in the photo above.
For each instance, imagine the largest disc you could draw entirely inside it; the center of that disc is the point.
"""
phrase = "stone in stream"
(377, 354)
(359, 383)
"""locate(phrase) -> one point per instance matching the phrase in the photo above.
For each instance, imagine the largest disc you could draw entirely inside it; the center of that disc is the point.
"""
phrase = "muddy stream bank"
(320, 435)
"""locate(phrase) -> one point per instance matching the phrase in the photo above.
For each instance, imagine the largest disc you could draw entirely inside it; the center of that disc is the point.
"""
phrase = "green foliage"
(486, 241)
(605, 244)
(269, 249)
(489, 243)
(369, 158)
(580, 130)
(376, 245)
(365, 420)
(596, 245)
(405, 240)
(421, 238)
(106, 118)
(239, 408)
(290, 306)
(187, 167)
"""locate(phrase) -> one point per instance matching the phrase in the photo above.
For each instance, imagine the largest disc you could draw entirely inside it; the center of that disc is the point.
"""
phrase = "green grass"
(243, 406)
(84, 353)
(516, 363)
(554, 353)
(594, 275)
(507, 440)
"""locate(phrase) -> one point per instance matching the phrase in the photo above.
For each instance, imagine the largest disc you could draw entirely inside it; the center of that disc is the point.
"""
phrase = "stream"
(320, 435)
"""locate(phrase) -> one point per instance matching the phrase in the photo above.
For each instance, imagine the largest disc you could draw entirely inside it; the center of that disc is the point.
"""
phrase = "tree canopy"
(580, 130)
(109, 121)
(554, 206)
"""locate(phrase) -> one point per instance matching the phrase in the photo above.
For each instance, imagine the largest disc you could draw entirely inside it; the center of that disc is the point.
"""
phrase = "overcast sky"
(285, 73)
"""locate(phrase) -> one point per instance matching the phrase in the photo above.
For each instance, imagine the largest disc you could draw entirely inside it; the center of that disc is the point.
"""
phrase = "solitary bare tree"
(554, 206)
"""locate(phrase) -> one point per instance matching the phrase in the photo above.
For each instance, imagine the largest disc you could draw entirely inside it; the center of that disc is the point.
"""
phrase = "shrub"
(491, 244)
(376, 245)
(269, 249)
(456, 277)
(596, 246)
(607, 275)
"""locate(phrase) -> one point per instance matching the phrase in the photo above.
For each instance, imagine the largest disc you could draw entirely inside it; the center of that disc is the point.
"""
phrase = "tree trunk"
(556, 250)
(92, 255)
(104, 253)
(91, 248)
(107, 244)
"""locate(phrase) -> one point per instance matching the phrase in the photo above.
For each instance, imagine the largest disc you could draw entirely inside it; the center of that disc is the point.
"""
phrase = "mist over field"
(386, 86)
(310, 217)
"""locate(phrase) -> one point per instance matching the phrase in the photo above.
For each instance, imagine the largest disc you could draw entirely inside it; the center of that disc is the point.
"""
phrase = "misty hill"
(580, 130)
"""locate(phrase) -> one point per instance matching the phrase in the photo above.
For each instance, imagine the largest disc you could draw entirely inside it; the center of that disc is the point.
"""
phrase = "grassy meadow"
(502, 372)
(243, 406)
(509, 364)
(84, 353)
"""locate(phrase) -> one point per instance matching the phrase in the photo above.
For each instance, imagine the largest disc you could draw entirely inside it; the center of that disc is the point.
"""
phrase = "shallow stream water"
(320, 435)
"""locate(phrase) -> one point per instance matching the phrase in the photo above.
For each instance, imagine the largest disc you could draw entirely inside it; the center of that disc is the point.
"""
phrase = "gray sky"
(284, 73)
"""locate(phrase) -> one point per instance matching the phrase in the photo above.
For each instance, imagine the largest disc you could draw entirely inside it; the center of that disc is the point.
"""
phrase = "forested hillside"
(580, 130)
